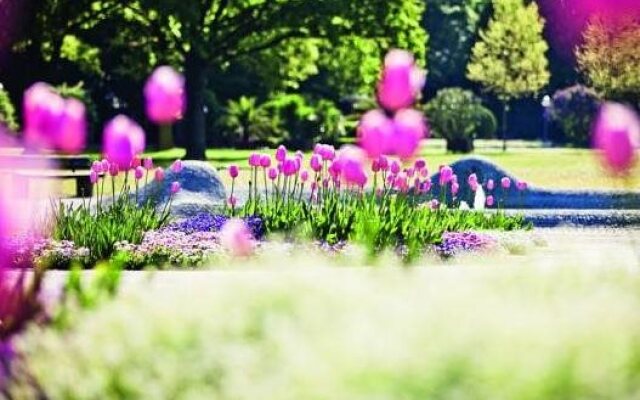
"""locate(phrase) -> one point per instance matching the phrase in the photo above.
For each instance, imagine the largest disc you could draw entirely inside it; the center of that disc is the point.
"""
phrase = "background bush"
(574, 110)
(458, 116)
(326, 333)
(7, 110)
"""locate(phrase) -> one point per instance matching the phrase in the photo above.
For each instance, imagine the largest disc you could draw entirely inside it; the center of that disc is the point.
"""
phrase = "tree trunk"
(196, 80)
(505, 116)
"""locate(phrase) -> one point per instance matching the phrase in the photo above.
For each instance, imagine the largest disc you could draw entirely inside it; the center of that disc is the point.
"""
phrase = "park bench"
(77, 168)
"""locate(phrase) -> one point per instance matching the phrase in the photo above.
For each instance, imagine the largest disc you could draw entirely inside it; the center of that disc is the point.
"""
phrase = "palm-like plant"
(246, 119)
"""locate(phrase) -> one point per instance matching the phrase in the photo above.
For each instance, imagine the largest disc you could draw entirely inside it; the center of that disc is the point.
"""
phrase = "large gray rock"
(534, 197)
(201, 190)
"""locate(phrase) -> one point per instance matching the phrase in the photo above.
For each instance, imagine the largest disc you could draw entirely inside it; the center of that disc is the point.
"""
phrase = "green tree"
(246, 120)
(610, 60)
(7, 111)
(510, 59)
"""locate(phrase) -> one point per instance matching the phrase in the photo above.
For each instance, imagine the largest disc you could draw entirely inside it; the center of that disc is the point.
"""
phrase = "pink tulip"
(384, 163)
(410, 129)
(316, 163)
(272, 173)
(401, 182)
(93, 177)
(335, 169)
(455, 188)
(327, 152)
(304, 176)
(472, 179)
(473, 186)
(176, 167)
(435, 204)
(490, 201)
(491, 184)
(424, 173)
(616, 136)
(410, 172)
(123, 140)
(136, 162)
(139, 173)
(71, 135)
(395, 167)
(51, 122)
(317, 148)
(254, 160)
(521, 185)
(426, 186)
(114, 170)
(236, 238)
(165, 97)
(505, 182)
(265, 161)
(454, 178)
(234, 171)
(351, 160)
(289, 167)
(420, 164)
(299, 155)
(96, 166)
(159, 175)
(375, 133)
(105, 165)
(281, 153)
(175, 187)
(401, 81)
(375, 166)
(148, 163)
(446, 175)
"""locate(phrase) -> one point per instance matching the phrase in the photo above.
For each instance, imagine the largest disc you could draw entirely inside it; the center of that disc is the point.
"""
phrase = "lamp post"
(546, 105)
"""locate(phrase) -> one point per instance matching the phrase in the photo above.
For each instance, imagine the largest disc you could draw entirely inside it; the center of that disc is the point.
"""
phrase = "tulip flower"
(139, 173)
(136, 162)
(375, 166)
(232, 201)
(505, 182)
(410, 129)
(148, 163)
(327, 152)
(93, 177)
(316, 163)
(159, 175)
(521, 185)
(384, 163)
(254, 160)
(455, 188)
(265, 161)
(472, 179)
(490, 201)
(177, 166)
(401, 81)
(96, 166)
(234, 171)
(289, 167)
(105, 165)
(165, 96)
(273, 173)
(351, 162)
(420, 164)
(446, 175)
(304, 176)
(123, 139)
(236, 238)
(375, 133)
(114, 170)
(281, 153)
(299, 155)
(175, 187)
(616, 136)
(395, 167)
(71, 134)
(491, 184)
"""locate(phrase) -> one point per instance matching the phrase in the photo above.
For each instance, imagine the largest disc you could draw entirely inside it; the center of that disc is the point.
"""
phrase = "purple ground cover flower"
(28, 251)
(456, 242)
(206, 222)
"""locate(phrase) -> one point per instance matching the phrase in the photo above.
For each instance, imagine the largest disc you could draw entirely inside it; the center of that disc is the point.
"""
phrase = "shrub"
(246, 121)
(335, 334)
(458, 116)
(574, 110)
(7, 110)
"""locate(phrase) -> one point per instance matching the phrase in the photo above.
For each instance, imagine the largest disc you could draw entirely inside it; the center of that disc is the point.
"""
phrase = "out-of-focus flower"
(455, 188)
(96, 166)
(351, 160)
(304, 176)
(254, 160)
(165, 96)
(375, 133)
(384, 163)
(272, 173)
(521, 185)
(410, 129)
(616, 136)
(281, 153)
(491, 185)
(490, 201)
(289, 167)
(265, 160)
(401, 81)
(175, 187)
(123, 140)
(446, 175)
(159, 175)
(316, 162)
(420, 164)
(395, 167)
(93, 177)
(148, 163)
(139, 173)
(505, 182)
(236, 238)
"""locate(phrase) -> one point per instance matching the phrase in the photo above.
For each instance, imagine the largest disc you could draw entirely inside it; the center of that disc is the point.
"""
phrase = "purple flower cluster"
(205, 222)
(29, 250)
(455, 242)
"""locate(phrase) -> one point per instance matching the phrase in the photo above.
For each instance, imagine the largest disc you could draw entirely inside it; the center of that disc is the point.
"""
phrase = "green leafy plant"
(458, 116)
(7, 110)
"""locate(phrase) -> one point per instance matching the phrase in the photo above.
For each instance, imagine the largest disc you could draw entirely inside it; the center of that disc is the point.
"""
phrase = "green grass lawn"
(545, 167)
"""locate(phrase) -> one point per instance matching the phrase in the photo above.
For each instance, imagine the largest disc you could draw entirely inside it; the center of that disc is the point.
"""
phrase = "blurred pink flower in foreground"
(236, 238)
(123, 140)
(52, 122)
(401, 81)
(375, 133)
(164, 95)
(351, 162)
(410, 129)
(616, 135)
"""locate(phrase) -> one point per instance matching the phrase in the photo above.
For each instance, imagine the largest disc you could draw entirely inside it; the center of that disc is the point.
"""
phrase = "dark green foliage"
(574, 110)
(99, 230)
(7, 110)
(459, 116)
